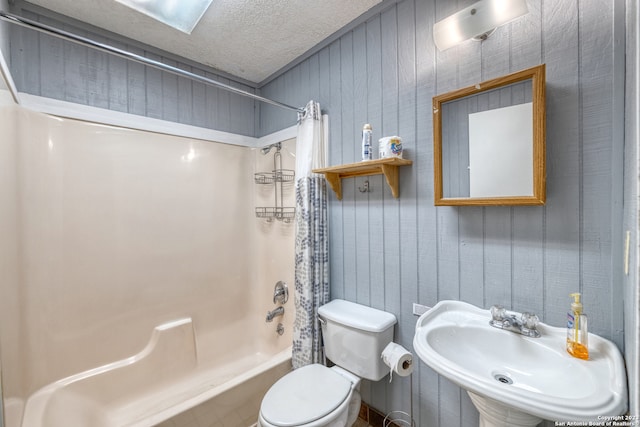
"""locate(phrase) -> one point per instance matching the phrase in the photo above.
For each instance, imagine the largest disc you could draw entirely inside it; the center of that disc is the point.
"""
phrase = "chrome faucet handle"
(280, 293)
(498, 312)
(530, 320)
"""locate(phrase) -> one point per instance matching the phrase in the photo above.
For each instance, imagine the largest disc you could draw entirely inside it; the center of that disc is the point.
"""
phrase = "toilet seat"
(304, 396)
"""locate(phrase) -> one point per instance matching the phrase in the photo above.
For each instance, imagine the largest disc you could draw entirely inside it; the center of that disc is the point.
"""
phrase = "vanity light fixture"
(182, 15)
(477, 21)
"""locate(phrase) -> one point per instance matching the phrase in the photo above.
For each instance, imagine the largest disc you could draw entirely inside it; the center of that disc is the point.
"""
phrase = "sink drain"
(503, 379)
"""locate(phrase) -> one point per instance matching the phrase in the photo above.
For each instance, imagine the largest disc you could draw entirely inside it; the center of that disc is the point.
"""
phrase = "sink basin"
(504, 371)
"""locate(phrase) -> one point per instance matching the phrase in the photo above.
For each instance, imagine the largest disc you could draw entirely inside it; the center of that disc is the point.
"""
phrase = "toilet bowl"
(317, 396)
(312, 396)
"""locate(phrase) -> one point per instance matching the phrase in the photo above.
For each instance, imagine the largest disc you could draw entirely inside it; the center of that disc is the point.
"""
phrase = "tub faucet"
(274, 313)
(526, 325)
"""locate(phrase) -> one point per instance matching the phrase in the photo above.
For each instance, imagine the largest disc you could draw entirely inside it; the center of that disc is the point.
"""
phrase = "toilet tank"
(355, 335)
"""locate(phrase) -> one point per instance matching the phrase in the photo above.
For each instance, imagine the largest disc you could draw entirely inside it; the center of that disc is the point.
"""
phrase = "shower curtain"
(311, 238)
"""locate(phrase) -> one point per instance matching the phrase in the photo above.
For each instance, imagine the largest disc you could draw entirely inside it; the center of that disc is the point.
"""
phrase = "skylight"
(182, 15)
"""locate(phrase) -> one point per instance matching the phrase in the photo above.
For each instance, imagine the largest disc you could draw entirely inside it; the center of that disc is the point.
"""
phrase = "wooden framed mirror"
(489, 142)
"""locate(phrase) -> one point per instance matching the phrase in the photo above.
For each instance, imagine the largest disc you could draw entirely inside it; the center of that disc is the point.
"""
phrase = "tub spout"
(275, 313)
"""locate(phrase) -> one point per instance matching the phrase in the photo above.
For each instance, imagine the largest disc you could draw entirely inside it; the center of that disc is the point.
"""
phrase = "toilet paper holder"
(399, 360)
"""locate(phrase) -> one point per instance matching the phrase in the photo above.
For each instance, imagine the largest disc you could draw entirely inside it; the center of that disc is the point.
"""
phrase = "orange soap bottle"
(577, 335)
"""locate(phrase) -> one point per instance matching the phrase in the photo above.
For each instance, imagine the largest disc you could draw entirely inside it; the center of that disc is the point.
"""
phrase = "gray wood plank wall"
(47, 66)
(390, 253)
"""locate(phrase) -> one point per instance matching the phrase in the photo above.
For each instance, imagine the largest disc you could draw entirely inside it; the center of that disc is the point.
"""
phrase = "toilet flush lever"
(280, 293)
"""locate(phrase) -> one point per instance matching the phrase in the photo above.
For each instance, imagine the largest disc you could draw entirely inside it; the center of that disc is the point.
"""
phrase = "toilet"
(317, 396)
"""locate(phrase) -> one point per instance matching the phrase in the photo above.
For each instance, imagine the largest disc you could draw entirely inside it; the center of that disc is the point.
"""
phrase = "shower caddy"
(277, 177)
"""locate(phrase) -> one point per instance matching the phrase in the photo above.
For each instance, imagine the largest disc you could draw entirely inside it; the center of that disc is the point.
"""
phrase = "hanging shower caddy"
(277, 177)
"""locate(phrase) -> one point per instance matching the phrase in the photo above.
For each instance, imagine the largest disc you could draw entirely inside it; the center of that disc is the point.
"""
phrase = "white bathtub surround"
(311, 237)
(158, 383)
(132, 391)
(116, 231)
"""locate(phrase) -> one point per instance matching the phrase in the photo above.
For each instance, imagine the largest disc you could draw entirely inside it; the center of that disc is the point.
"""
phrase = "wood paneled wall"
(390, 253)
(47, 66)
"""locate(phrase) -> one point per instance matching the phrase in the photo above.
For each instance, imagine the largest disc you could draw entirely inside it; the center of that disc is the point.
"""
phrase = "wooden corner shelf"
(387, 167)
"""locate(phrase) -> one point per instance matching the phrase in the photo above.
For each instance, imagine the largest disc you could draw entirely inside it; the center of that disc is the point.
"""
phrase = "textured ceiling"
(250, 39)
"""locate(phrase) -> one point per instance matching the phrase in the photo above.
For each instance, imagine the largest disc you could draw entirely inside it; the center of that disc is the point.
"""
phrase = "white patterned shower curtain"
(312, 248)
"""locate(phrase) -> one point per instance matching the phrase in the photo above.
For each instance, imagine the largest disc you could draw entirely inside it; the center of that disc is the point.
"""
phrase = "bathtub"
(159, 384)
(140, 277)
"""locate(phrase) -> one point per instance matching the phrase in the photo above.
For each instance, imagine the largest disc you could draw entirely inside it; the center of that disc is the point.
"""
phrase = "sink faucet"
(526, 325)
(274, 313)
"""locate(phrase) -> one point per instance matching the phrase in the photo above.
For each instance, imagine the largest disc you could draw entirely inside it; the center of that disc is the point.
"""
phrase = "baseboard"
(373, 417)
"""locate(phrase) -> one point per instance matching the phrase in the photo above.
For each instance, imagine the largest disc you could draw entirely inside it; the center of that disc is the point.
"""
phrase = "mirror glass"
(489, 146)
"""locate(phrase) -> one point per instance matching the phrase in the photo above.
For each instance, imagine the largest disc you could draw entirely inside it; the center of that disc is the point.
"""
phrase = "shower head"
(265, 150)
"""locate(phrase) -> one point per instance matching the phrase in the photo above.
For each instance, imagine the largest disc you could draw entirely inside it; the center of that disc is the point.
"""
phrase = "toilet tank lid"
(357, 315)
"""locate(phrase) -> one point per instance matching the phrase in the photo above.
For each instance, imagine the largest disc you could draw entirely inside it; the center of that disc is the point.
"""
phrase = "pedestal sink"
(516, 380)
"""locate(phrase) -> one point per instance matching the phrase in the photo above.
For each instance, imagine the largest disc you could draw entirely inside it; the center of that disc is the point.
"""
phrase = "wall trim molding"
(75, 111)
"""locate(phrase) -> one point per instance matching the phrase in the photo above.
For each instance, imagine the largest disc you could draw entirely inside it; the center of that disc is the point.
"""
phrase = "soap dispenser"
(577, 336)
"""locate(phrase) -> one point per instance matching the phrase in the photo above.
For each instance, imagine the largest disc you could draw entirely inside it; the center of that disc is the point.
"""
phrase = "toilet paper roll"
(398, 359)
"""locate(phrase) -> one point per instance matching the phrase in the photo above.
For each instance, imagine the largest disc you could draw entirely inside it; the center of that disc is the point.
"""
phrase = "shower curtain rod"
(136, 58)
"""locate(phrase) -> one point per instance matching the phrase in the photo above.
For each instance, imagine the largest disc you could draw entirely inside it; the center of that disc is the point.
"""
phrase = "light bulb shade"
(476, 20)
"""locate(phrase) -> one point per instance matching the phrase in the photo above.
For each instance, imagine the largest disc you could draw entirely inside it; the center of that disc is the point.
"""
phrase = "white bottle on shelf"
(367, 135)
